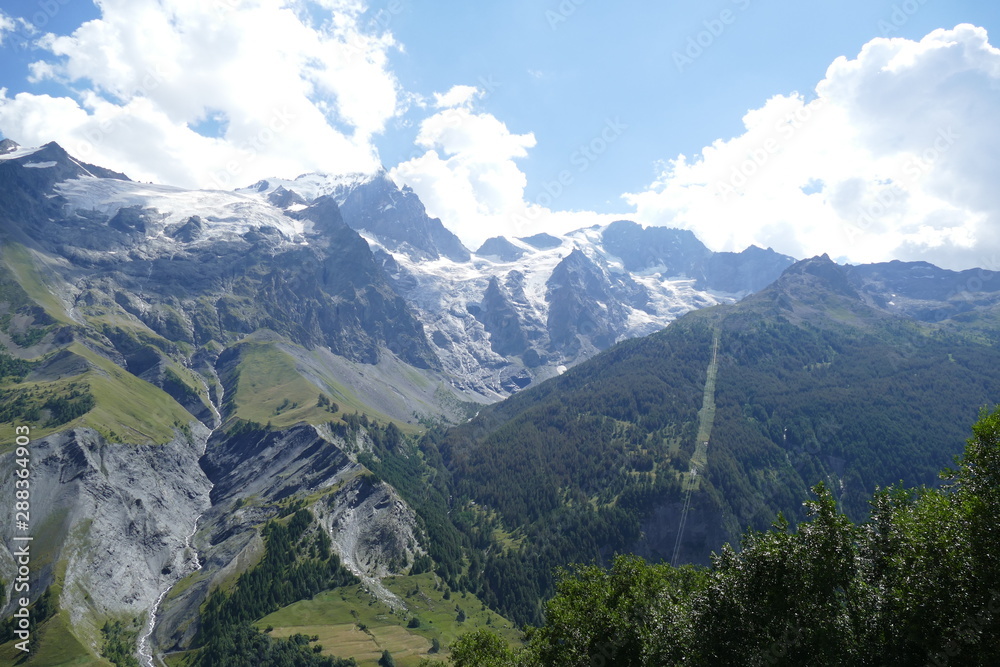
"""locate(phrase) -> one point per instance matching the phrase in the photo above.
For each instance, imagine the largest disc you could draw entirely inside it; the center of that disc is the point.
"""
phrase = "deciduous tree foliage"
(484, 648)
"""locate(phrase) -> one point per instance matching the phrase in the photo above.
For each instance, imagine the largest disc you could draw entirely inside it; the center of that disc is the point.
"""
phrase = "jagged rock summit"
(8, 146)
(372, 203)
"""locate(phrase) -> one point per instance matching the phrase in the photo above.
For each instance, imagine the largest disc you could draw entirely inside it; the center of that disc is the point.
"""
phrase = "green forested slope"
(918, 583)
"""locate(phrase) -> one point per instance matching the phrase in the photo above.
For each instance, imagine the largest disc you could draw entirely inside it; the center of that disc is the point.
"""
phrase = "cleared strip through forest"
(699, 460)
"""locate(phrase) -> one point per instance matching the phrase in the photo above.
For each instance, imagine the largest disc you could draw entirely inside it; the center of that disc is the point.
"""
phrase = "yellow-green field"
(57, 647)
(271, 388)
(34, 280)
(351, 623)
(126, 408)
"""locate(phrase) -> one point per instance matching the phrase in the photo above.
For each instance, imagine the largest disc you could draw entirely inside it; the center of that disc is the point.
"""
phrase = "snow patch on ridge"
(19, 153)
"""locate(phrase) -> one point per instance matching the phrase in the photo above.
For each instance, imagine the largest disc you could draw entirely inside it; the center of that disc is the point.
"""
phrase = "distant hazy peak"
(501, 248)
(808, 276)
(542, 241)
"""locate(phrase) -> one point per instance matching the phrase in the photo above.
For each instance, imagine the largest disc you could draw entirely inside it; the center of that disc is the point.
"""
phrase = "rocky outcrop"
(189, 232)
(744, 272)
(677, 252)
(273, 465)
(587, 305)
(25, 194)
(373, 531)
(640, 248)
(500, 318)
(283, 198)
(542, 241)
(398, 218)
(923, 291)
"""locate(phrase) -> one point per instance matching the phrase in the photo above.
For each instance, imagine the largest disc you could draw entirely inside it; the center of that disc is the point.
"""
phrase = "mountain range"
(518, 310)
(195, 365)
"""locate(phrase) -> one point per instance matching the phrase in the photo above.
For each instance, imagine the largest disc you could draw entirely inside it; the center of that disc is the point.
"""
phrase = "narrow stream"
(145, 652)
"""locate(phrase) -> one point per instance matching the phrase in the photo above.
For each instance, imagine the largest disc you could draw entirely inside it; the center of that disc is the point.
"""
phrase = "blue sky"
(617, 60)
(514, 117)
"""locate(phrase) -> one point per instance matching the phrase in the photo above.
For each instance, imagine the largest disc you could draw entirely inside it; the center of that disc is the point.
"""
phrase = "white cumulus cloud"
(469, 177)
(6, 25)
(895, 157)
(214, 94)
(18, 28)
(457, 96)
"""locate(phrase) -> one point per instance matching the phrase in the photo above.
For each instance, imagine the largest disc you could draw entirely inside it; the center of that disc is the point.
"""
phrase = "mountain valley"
(312, 380)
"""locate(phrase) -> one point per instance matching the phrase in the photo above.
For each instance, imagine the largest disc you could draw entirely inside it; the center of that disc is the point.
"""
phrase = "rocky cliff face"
(923, 291)
(501, 249)
(111, 522)
(28, 176)
(588, 307)
(678, 252)
(375, 205)
(499, 317)
(373, 531)
(120, 524)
